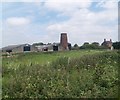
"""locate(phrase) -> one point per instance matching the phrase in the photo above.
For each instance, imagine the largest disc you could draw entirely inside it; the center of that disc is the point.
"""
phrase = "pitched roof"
(10, 47)
(107, 42)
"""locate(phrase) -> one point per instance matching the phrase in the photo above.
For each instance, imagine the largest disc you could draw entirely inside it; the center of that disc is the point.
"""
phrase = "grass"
(70, 74)
(41, 58)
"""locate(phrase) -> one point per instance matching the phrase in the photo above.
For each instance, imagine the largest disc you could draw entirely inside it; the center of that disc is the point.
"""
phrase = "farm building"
(19, 48)
(45, 47)
(107, 44)
(52, 47)
(63, 45)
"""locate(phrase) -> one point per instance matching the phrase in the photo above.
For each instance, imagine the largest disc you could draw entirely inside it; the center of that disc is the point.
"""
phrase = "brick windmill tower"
(64, 41)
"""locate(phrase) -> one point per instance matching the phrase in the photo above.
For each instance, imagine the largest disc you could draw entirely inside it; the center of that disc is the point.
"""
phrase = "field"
(69, 74)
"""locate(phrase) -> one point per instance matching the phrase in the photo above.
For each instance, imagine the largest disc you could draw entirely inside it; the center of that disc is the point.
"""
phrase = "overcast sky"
(30, 21)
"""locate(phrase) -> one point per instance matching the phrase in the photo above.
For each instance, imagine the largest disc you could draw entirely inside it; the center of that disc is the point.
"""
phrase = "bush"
(89, 76)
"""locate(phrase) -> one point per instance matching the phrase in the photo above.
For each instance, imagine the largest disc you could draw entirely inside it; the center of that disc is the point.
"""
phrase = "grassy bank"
(74, 74)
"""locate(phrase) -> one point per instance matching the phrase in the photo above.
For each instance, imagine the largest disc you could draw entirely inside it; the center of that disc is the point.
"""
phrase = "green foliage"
(89, 46)
(91, 74)
(37, 44)
(61, 62)
(116, 45)
(75, 45)
(94, 45)
(86, 43)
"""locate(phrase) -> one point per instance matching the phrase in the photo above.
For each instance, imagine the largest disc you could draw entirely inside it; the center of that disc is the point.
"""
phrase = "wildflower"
(48, 62)
(88, 65)
(6, 96)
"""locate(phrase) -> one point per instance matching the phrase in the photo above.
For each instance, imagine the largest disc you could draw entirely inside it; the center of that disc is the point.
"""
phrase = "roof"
(44, 46)
(107, 42)
(10, 47)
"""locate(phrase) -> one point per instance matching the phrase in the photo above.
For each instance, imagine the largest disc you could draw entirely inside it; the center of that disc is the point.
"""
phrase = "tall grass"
(41, 58)
(88, 76)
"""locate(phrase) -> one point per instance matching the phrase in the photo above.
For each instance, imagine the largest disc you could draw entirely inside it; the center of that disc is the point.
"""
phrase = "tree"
(76, 46)
(49, 43)
(36, 44)
(86, 43)
(116, 45)
(96, 43)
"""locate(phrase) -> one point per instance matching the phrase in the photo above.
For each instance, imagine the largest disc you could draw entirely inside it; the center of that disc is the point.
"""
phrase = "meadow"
(68, 74)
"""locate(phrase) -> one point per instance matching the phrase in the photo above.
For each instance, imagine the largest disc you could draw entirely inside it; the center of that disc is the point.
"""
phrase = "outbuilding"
(19, 48)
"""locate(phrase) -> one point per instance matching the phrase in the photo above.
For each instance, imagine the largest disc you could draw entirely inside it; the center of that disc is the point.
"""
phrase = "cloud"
(68, 6)
(82, 24)
(21, 0)
(85, 25)
(108, 4)
(16, 21)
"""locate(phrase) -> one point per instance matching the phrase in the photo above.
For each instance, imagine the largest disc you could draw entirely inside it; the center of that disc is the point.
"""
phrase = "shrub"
(89, 76)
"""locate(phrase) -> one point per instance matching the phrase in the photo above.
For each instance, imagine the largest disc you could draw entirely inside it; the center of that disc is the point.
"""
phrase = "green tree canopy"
(116, 45)
(75, 45)
(36, 44)
(96, 43)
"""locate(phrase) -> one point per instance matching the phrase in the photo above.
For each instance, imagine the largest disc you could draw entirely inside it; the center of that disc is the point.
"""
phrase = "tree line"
(95, 45)
(87, 45)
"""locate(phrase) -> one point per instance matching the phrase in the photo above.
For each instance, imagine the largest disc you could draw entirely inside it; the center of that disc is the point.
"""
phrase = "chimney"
(104, 40)
(64, 41)
(110, 40)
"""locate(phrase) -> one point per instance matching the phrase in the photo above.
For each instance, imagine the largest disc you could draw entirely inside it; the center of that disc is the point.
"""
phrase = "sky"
(32, 21)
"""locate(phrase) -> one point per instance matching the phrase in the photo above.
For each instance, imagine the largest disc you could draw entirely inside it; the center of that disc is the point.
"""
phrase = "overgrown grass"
(75, 74)
(41, 58)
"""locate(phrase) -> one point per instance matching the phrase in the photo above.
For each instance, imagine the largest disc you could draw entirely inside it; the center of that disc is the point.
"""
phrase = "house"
(107, 44)
(19, 48)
